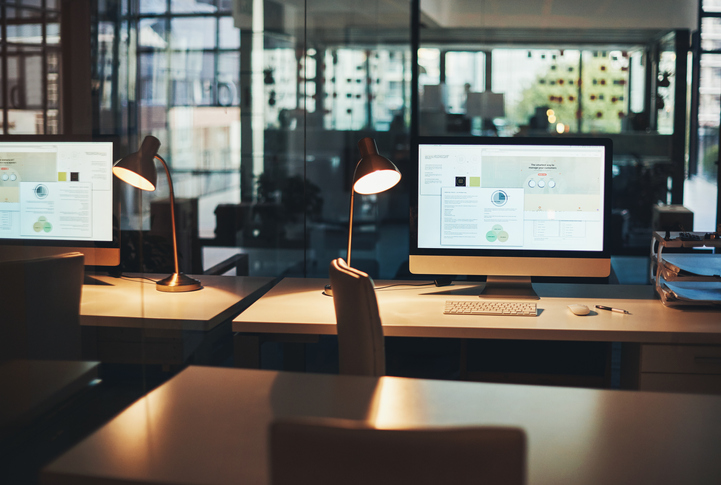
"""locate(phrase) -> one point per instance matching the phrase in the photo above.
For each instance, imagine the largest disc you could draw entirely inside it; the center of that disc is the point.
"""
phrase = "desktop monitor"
(510, 209)
(56, 196)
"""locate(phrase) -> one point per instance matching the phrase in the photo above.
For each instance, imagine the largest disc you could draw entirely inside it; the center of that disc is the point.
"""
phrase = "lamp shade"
(374, 173)
(138, 169)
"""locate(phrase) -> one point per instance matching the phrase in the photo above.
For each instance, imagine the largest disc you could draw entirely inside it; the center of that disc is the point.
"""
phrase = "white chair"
(332, 451)
(361, 349)
(41, 308)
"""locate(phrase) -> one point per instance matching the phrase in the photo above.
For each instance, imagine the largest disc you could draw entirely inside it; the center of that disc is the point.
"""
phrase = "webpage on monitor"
(511, 197)
(56, 191)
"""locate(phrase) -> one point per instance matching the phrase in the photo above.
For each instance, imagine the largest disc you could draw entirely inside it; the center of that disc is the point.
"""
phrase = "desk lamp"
(138, 170)
(373, 174)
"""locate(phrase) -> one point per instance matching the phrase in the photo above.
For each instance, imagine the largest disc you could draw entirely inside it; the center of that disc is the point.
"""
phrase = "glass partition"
(259, 111)
(519, 81)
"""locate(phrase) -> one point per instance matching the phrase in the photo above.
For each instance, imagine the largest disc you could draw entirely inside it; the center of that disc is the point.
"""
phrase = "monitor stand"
(509, 287)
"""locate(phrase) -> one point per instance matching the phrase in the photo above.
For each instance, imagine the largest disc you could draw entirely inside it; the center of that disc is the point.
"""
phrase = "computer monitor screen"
(511, 207)
(57, 196)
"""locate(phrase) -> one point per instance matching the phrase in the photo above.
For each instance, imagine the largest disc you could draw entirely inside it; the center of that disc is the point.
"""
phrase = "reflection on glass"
(605, 87)
(192, 6)
(152, 79)
(25, 34)
(151, 7)
(193, 32)
(151, 33)
(204, 138)
(28, 13)
(465, 73)
(228, 79)
(22, 122)
(52, 33)
(711, 33)
(229, 36)
(711, 5)
(708, 116)
(192, 78)
(665, 94)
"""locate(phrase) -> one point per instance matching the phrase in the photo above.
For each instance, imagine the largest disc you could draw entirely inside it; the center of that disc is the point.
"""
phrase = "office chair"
(41, 307)
(361, 349)
(332, 451)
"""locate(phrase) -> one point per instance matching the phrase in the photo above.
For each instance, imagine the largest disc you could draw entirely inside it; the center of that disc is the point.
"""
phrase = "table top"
(134, 302)
(297, 306)
(209, 425)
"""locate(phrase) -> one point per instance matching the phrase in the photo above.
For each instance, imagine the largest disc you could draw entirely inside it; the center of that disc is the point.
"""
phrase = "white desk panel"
(297, 306)
(209, 426)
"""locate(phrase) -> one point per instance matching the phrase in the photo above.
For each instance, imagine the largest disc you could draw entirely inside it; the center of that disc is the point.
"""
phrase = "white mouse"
(577, 309)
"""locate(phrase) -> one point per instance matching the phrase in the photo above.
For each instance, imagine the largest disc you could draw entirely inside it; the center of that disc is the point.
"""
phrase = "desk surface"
(209, 425)
(297, 306)
(134, 302)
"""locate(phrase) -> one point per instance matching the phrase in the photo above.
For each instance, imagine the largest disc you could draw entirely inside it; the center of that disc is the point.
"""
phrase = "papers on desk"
(690, 279)
(691, 292)
(689, 265)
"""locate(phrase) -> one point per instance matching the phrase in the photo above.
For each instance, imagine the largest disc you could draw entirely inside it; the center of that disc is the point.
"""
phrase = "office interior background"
(259, 105)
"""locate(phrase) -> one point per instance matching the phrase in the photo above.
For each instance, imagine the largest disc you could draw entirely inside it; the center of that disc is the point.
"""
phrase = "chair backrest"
(361, 349)
(331, 451)
(41, 307)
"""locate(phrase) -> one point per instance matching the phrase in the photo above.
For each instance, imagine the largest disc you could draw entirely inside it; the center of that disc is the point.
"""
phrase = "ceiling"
(476, 22)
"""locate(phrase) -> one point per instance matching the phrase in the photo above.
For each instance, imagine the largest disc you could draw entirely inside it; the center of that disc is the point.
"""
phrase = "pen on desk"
(619, 310)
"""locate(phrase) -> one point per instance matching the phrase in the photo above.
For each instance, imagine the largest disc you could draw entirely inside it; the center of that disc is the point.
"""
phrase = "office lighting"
(138, 170)
(373, 174)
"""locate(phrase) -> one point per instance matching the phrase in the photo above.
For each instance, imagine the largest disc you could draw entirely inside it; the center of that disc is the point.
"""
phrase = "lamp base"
(178, 282)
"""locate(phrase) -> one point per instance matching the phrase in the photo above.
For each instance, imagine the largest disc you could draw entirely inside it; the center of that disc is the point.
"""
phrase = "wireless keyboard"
(490, 307)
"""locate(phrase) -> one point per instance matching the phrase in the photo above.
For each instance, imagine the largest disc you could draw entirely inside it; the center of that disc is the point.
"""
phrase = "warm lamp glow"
(132, 178)
(138, 169)
(373, 174)
(376, 182)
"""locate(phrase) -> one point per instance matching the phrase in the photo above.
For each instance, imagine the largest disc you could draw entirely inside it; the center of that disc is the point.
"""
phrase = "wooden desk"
(673, 348)
(209, 426)
(127, 320)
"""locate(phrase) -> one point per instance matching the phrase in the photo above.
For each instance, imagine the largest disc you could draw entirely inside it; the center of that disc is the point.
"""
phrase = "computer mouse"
(579, 309)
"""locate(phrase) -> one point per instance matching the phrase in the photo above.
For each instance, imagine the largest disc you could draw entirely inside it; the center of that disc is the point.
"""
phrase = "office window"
(30, 44)
(364, 88)
(465, 72)
(701, 185)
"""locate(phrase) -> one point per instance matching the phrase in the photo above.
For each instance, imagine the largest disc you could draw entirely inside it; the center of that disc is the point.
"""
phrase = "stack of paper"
(690, 279)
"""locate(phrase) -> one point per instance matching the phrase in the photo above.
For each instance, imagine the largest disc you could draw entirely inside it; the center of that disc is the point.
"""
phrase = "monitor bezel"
(97, 253)
(423, 256)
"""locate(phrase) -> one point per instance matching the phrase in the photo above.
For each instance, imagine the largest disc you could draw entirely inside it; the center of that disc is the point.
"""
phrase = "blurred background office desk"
(665, 349)
(126, 320)
(210, 426)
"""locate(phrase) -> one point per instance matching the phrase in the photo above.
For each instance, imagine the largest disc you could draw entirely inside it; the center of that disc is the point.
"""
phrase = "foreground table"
(669, 348)
(209, 426)
(127, 320)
